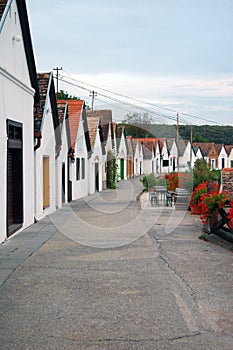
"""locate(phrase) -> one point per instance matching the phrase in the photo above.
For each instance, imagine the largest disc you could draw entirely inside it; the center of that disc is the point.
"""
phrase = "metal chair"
(154, 198)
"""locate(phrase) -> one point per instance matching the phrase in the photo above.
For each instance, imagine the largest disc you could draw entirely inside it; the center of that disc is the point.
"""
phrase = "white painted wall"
(13, 57)
(222, 155)
(230, 159)
(16, 103)
(122, 154)
(46, 149)
(96, 157)
(165, 156)
(80, 187)
(63, 158)
(108, 147)
(184, 160)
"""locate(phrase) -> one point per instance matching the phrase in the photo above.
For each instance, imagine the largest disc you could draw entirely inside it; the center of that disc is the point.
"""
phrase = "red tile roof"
(75, 108)
(92, 123)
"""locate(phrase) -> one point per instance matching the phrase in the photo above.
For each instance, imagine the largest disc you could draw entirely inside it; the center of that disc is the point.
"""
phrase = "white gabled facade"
(79, 169)
(62, 159)
(121, 154)
(164, 157)
(222, 158)
(230, 156)
(46, 151)
(96, 158)
(184, 152)
(173, 157)
(18, 86)
(157, 158)
(45, 170)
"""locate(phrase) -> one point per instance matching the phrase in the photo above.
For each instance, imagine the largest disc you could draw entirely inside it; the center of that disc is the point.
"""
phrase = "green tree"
(137, 119)
(63, 95)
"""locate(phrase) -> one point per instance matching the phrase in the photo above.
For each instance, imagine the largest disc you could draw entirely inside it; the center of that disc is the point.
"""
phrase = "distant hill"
(202, 133)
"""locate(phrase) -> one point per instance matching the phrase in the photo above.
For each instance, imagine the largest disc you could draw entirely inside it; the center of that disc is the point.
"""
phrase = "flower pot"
(195, 210)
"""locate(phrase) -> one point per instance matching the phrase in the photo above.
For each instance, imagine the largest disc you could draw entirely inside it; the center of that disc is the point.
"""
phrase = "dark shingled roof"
(147, 148)
(105, 116)
(181, 146)
(46, 85)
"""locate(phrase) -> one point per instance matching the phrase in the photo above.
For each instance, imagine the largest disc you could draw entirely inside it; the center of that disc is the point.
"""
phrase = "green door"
(122, 168)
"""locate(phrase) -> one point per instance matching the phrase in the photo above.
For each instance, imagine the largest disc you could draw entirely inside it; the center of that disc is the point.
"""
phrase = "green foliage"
(111, 169)
(63, 95)
(202, 133)
(151, 180)
(199, 138)
(137, 118)
(202, 173)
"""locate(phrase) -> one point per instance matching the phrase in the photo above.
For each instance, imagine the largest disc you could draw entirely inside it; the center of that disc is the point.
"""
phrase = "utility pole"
(57, 70)
(93, 94)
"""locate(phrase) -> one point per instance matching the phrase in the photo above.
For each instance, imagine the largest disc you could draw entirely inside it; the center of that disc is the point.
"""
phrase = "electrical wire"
(144, 102)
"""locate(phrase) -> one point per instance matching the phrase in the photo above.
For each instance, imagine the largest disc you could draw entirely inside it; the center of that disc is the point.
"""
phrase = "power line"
(144, 102)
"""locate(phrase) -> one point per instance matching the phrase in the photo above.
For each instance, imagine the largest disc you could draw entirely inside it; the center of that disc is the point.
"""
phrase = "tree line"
(138, 125)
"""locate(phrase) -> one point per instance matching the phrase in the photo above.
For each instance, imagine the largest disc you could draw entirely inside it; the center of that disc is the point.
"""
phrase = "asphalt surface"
(67, 283)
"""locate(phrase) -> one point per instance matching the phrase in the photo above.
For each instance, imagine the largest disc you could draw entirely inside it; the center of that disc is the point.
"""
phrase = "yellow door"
(46, 187)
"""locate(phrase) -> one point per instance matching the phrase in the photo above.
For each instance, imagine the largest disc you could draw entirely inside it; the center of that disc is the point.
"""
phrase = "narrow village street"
(111, 272)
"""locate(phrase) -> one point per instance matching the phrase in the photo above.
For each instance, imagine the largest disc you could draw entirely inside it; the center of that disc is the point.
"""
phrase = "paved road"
(164, 289)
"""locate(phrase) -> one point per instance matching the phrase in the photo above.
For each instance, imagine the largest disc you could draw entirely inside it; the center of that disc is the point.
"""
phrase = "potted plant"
(208, 203)
(196, 194)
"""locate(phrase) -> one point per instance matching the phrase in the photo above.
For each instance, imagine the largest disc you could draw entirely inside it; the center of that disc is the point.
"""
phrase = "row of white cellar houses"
(55, 151)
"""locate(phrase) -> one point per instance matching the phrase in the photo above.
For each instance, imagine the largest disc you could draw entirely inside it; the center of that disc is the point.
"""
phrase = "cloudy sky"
(175, 54)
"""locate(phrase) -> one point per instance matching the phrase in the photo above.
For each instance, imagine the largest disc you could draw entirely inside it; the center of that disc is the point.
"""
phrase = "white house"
(62, 161)
(164, 156)
(184, 153)
(157, 157)
(229, 149)
(97, 152)
(121, 152)
(173, 154)
(47, 148)
(148, 157)
(136, 156)
(222, 156)
(105, 116)
(130, 160)
(78, 153)
(19, 92)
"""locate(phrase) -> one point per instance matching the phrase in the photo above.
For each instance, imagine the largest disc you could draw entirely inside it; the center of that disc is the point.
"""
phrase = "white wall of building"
(62, 159)
(16, 103)
(222, 159)
(80, 184)
(96, 158)
(46, 149)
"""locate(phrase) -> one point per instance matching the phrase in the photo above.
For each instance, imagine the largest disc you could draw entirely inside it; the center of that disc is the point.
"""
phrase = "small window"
(231, 163)
(165, 162)
(83, 168)
(77, 169)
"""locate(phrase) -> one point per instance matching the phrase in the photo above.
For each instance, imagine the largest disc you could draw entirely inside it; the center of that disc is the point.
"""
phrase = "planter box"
(195, 210)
